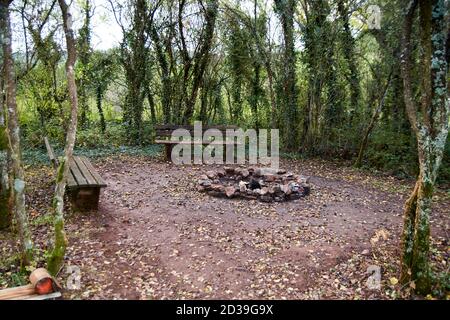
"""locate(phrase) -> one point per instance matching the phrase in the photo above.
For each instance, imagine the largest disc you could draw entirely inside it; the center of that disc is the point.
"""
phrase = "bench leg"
(85, 199)
(168, 151)
(230, 149)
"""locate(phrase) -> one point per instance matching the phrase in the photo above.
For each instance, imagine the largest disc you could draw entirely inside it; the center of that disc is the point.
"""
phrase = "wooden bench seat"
(83, 182)
(82, 174)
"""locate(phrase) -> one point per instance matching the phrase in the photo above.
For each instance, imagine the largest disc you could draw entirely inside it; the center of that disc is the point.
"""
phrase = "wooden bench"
(83, 183)
(164, 133)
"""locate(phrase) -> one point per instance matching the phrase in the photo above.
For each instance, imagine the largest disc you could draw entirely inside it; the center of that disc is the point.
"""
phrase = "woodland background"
(363, 83)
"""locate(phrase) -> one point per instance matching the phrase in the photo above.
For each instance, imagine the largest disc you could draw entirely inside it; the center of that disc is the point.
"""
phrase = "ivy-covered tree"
(286, 9)
(103, 71)
(83, 67)
(429, 118)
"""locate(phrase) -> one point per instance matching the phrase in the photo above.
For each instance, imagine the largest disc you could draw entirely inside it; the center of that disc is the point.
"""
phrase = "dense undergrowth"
(385, 153)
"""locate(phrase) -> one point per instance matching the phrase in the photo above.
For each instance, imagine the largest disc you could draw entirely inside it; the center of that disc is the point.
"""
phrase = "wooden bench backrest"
(166, 130)
(51, 153)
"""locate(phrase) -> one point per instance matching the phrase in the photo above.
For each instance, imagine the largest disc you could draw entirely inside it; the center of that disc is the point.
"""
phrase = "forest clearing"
(224, 150)
(155, 237)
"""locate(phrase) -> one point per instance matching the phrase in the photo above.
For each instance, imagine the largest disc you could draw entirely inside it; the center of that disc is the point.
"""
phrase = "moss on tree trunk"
(415, 268)
(429, 120)
(56, 258)
(17, 181)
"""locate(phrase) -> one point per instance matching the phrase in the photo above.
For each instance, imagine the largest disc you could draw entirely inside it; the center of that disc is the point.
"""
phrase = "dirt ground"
(156, 237)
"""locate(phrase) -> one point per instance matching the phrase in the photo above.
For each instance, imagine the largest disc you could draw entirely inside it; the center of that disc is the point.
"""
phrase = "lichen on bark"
(429, 120)
(56, 257)
(5, 217)
(17, 192)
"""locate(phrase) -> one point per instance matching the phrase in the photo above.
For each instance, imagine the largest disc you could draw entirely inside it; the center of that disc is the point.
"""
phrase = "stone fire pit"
(263, 184)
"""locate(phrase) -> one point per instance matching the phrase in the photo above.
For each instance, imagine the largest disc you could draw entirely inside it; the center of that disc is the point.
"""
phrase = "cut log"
(42, 285)
(42, 281)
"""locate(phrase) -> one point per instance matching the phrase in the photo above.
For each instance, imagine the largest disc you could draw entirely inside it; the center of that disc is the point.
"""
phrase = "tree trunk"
(84, 106)
(286, 11)
(84, 51)
(348, 43)
(57, 255)
(5, 216)
(363, 146)
(26, 245)
(151, 104)
(5, 213)
(201, 60)
(204, 102)
(100, 108)
(416, 230)
(254, 98)
(134, 56)
(165, 74)
(273, 102)
(429, 120)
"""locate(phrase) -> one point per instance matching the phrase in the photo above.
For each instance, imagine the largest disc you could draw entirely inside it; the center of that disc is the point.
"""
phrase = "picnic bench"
(164, 134)
(83, 183)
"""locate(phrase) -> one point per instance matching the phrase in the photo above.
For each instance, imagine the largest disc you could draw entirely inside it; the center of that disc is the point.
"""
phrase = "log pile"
(42, 287)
